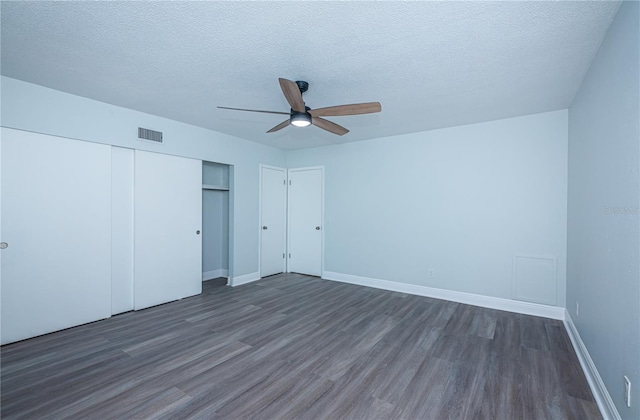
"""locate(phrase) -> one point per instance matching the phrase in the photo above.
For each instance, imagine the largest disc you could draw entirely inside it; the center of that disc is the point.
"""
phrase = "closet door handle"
(264, 228)
(317, 227)
(197, 232)
(4, 245)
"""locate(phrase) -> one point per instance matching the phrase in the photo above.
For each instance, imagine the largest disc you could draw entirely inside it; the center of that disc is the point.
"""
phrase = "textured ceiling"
(430, 64)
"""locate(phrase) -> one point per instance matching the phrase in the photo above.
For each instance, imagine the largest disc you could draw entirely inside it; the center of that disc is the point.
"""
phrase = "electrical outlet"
(627, 391)
(431, 273)
(577, 308)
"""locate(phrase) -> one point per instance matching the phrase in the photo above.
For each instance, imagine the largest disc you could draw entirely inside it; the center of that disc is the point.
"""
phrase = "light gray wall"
(30, 107)
(603, 221)
(460, 200)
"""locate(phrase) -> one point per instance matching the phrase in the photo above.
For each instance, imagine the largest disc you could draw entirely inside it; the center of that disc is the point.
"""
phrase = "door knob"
(264, 228)
(197, 232)
(3, 245)
(317, 227)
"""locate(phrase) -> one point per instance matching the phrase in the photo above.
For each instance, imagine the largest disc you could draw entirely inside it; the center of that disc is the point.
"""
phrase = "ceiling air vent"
(151, 135)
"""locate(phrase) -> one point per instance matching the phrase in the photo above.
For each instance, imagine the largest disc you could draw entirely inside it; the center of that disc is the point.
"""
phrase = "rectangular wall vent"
(151, 135)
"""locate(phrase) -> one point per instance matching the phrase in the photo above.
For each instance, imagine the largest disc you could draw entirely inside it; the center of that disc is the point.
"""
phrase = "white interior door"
(273, 216)
(305, 220)
(56, 220)
(167, 239)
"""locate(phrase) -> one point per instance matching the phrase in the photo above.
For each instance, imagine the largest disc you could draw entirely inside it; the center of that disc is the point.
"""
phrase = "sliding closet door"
(167, 239)
(56, 221)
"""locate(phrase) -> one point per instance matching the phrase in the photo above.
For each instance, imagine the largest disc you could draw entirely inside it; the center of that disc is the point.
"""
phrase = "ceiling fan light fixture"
(300, 119)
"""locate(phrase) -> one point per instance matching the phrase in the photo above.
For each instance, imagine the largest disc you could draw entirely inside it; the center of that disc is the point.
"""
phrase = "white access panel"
(273, 220)
(167, 237)
(305, 220)
(534, 278)
(56, 220)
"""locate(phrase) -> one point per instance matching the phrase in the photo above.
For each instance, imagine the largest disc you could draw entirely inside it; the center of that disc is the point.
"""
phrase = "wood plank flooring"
(297, 347)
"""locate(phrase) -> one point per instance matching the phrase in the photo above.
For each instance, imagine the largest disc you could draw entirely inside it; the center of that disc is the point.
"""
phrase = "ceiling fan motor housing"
(302, 85)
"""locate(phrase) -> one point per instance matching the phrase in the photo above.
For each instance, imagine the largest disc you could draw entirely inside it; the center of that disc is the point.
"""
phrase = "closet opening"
(216, 208)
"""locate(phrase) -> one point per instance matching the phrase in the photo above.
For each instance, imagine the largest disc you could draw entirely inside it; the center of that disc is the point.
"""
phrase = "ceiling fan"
(303, 116)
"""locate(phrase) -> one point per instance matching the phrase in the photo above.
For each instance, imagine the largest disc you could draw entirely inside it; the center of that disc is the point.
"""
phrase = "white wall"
(603, 211)
(30, 107)
(460, 200)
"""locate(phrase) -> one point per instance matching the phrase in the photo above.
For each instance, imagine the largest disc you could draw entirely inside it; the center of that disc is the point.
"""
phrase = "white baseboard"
(508, 305)
(599, 390)
(244, 279)
(214, 274)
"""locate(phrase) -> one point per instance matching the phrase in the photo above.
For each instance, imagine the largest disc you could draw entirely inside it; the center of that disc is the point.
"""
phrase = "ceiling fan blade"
(292, 93)
(352, 109)
(280, 126)
(255, 110)
(329, 126)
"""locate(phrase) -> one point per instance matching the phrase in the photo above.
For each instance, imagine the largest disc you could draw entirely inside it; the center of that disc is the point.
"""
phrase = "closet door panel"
(56, 219)
(167, 238)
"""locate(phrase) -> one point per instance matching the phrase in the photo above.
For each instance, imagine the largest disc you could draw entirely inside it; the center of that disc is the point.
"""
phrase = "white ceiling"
(430, 64)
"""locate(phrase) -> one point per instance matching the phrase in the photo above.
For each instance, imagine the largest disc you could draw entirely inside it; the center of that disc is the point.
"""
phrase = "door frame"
(285, 262)
(322, 224)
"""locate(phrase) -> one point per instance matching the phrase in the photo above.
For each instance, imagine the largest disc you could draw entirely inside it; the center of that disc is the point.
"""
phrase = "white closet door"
(273, 216)
(167, 239)
(305, 221)
(56, 220)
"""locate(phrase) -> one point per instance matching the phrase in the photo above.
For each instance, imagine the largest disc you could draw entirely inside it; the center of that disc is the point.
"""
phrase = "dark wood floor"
(292, 346)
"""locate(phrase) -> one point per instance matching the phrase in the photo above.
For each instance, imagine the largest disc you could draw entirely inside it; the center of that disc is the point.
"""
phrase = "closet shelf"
(214, 187)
